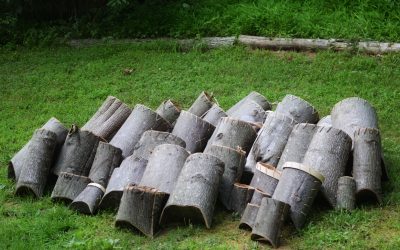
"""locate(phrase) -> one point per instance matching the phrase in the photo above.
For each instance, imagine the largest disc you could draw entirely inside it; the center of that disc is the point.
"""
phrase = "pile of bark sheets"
(170, 166)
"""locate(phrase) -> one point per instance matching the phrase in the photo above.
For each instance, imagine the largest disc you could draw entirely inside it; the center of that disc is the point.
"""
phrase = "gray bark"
(298, 109)
(328, 154)
(37, 162)
(195, 194)
(214, 114)
(346, 193)
(140, 120)
(265, 178)
(249, 217)
(241, 195)
(164, 166)
(68, 187)
(193, 130)
(253, 96)
(203, 103)
(325, 121)
(169, 110)
(89, 199)
(250, 112)
(258, 196)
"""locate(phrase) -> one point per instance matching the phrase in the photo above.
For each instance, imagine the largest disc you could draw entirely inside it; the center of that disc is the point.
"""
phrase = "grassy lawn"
(70, 84)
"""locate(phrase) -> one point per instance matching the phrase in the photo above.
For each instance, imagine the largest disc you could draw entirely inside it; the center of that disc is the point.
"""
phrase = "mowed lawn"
(71, 83)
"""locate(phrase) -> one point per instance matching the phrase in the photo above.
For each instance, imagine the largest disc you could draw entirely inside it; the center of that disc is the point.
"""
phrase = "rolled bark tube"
(193, 130)
(269, 221)
(270, 142)
(367, 171)
(253, 96)
(151, 139)
(15, 164)
(130, 172)
(325, 121)
(346, 193)
(258, 196)
(241, 195)
(36, 166)
(233, 133)
(169, 110)
(77, 153)
(140, 120)
(89, 199)
(328, 154)
(298, 109)
(234, 162)
(249, 217)
(298, 187)
(203, 103)
(107, 158)
(250, 112)
(213, 115)
(164, 166)
(108, 118)
(68, 187)
(265, 178)
(195, 194)
(297, 144)
(140, 209)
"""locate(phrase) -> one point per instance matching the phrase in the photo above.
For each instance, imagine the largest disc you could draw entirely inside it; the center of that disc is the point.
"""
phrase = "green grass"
(70, 84)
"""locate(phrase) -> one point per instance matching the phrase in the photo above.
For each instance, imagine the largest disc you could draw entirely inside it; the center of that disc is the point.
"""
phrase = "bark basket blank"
(346, 193)
(298, 109)
(328, 154)
(265, 178)
(140, 120)
(253, 96)
(196, 190)
(241, 195)
(250, 112)
(203, 103)
(213, 115)
(325, 121)
(36, 167)
(68, 187)
(169, 110)
(88, 200)
(249, 216)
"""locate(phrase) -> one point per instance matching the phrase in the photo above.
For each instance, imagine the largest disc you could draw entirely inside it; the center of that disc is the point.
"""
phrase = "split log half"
(193, 130)
(298, 187)
(241, 195)
(214, 114)
(203, 103)
(68, 187)
(325, 121)
(258, 196)
(298, 109)
(37, 162)
(234, 160)
(140, 209)
(169, 110)
(140, 120)
(250, 112)
(195, 194)
(249, 217)
(265, 178)
(77, 153)
(297, 144)
(107, 158)
(346, 193)
(164, 166)
(89, 199)
(269, 221)
(253, 96)
(328, 154)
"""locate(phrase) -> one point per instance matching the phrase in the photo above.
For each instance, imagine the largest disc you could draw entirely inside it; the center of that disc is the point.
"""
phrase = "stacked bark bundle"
(171, 166)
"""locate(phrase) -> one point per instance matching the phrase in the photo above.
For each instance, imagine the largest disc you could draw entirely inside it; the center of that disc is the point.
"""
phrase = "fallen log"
(203, 103)
(37, 162)
(164, 166)
(298, 187)
(241, 195)
(89, 199)
(195, 194)
(140, 209)
(325, 121)
(193, 130)
(140, 120)
(346, 193)
(169, 110)
(253, 96)
(249, 217)
(68, 187)
(213, 115)
(269, 221)
(328, 154)
(265, 178)
(298, 109)
(250, 112)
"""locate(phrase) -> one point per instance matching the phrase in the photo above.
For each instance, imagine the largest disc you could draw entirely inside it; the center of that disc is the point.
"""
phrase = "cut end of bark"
(367, 196)
(263, 239)
(174, 214)
(11, 171)
(111, 200)
(25, 190)
(81, 207)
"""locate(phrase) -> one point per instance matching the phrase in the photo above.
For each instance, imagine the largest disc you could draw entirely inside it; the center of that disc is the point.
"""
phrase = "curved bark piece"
(107, 158)
(151, 139)
(253, 96)
(250, 112)
(297, 144)
(169, 110)
(269, 221)
(241, 195)
(233, 133)
(140, 209)
(298, 187)
(108, 118)
(298, 109)
(140, 120)
(68, 187)
(77, 153)
(325, 121)
(346, 193)
(164, 166)
(234, 160)
(265, 178)
(258, 196)
(196, 191)
(328, 154)
(353, 112)
(367, 171)
(37, 163)
(193, 130)
(130, 172)
(270, 142)
(213, 115)
(203, 103)
(53, 125)
(249, 217)
(89, 199)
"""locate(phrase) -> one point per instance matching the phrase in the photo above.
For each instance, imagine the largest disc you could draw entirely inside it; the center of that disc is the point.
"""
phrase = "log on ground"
(203, 103)
(252, 96)
(68, 187)
(89, 199)
(213, 115)
(298, 109)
